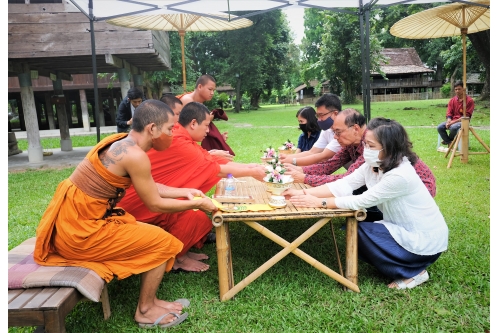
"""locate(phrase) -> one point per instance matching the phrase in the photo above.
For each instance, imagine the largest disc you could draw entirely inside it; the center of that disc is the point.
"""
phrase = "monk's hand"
(305, 200)
(224, 135)
(290, 192)
(222, 153)
(207, 205)
(192, 192)
(258, 172)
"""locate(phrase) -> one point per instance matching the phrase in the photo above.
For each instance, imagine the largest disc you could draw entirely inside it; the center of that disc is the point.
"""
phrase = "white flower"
(278, 168)
(269, 168)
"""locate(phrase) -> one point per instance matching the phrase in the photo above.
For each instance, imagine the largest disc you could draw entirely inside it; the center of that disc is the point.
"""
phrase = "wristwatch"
(294, 161)
(323, 203)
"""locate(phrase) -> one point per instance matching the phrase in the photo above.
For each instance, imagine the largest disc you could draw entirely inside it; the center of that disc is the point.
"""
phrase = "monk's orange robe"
(183, 164)
(81, 226)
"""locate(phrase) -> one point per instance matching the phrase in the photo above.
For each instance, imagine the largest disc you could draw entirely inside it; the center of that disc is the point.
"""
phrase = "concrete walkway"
(58, 159)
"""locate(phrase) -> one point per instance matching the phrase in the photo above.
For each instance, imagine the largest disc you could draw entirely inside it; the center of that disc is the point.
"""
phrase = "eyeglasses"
(338, 132)
(321, 115)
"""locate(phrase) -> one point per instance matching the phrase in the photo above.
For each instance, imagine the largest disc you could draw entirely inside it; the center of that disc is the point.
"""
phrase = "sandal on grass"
(419, 279)
(177, 321)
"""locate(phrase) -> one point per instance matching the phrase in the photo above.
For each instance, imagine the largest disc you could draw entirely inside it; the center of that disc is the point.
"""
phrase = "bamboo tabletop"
(258, 191)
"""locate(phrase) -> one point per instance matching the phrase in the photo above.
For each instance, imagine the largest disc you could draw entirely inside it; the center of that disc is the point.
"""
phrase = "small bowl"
(277, 201)
(279, 188)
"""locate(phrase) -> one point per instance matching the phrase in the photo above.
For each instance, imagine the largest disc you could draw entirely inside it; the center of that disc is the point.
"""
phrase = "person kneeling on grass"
(413, 232)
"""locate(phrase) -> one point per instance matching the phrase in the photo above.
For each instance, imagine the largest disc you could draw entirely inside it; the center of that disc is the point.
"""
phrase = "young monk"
(215, 141)
(83, 227)
(187, 164)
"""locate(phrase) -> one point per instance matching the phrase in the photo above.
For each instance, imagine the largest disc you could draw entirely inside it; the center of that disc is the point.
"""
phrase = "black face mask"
(303, 127)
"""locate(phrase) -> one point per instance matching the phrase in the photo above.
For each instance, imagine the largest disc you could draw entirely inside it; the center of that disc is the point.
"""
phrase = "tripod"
(463, 134)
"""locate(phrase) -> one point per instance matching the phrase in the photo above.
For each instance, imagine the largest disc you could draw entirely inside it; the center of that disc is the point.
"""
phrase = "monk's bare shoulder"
(120, 154)
(188, 98)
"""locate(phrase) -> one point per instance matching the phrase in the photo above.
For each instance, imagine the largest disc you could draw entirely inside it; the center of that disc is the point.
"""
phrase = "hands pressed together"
(221, 153)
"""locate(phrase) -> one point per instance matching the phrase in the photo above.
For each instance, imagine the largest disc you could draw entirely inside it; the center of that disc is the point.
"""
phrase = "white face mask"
(371, 157)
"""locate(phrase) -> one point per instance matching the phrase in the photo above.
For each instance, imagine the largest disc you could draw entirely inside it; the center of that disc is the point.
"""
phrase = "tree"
(340, 54)
(310, 47)
(481, 43)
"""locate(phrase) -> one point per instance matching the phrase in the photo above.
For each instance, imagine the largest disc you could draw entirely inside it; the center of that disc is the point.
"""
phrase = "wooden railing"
(396, 83)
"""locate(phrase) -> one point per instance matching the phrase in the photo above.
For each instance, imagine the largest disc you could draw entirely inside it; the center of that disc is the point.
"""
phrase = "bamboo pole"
(182, 33)
(224, 260)
(351, 256)
(217, 219)
(480, 141)
(455, 146)
(465, 138)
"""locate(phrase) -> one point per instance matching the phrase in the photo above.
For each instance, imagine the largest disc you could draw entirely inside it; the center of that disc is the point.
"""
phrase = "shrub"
(446, 90)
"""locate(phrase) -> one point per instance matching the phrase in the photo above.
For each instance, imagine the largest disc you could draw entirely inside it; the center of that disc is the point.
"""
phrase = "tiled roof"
(401, 61)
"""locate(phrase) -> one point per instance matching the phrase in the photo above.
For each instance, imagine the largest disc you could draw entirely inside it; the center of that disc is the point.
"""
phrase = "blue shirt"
(306, 143)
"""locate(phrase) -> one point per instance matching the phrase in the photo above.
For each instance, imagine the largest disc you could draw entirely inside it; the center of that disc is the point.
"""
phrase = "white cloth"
(410, 213)
(132, 109)
(326, 140)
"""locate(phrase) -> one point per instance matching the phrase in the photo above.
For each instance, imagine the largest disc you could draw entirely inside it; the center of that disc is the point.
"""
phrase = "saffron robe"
(79, 229)
(184, 164)
(214, 138)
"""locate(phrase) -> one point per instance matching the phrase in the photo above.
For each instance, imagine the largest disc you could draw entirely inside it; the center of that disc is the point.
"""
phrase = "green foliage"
(245, 102)
(293, 296)
(314, 29)
(446, 89)
(214, 102)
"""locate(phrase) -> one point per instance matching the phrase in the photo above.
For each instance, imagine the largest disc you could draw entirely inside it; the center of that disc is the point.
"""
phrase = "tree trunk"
(254, 100)
(452, 80)
(481, 42)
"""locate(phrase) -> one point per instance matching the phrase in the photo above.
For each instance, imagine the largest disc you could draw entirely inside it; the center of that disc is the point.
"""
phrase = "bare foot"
(150, 315)
(197, 256)
(189, 264)
(393, 284)
(170, 306)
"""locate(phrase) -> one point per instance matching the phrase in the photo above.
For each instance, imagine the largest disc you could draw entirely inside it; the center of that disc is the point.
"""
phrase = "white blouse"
(410, 213)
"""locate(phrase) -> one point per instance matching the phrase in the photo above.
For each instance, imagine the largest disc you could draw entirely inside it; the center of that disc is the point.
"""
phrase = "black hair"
(204, 79)
(170, 100)
(150, 111)
(394, 140)
(193, 110)
(309, 114)
(134, 93)
(331, 102)
(458, 83)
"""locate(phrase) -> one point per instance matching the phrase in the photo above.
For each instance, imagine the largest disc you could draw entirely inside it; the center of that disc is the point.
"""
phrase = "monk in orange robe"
(215, 141)
(187, 164)
(83, 227)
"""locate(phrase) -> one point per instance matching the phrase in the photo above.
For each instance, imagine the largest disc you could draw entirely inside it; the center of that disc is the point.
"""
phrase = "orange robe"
(183, 164)
(78, 229)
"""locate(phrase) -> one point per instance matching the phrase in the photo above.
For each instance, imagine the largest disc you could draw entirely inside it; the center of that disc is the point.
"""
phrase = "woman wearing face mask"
(308, 124)
(413, 232)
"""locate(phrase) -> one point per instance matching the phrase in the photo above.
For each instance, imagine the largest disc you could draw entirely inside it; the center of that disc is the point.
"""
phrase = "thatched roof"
(312, 83)
(402, 61)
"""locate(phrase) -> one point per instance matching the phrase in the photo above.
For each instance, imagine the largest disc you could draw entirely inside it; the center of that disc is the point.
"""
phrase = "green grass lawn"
(292, 296)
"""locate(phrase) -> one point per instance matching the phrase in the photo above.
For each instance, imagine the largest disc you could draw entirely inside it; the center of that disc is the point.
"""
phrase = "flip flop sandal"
(176, 322)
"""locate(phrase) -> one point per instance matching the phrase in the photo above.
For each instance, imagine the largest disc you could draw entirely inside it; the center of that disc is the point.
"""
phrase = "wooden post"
(124, 77)
(85, 110)
(35, 150)
(225, 264)
(465, 139)
(102, 121)
(49, 111)
(138, 82)
(62, 117)
(351, 256)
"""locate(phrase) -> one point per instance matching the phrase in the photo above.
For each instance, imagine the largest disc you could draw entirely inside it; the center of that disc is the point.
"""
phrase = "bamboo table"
(258, 191)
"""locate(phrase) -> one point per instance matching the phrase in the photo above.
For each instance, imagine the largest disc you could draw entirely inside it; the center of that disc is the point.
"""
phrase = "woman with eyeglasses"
(308, 124)
(413, 232)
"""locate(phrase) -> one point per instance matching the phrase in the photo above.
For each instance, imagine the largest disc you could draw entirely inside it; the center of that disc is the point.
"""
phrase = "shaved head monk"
(187, 164)
(83, 226)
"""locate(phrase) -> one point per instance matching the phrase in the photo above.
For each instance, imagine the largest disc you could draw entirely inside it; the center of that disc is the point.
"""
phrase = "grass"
(292, 296)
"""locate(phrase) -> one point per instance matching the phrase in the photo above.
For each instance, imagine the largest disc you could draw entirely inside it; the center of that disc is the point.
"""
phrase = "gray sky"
(296, 18)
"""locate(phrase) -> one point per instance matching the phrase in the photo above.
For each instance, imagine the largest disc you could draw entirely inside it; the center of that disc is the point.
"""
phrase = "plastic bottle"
(230, 189)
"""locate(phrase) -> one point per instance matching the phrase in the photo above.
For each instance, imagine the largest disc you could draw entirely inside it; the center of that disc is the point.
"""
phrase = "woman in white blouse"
(413, 233)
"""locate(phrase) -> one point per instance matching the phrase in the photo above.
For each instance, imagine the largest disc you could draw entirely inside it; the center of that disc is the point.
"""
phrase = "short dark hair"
(150, 111)
(309, 114)
(458, 83)
(394, 140)
(134, 93)
(353, 117)
(330, 101)
(193, 110)
(170, 100)
(204, 79)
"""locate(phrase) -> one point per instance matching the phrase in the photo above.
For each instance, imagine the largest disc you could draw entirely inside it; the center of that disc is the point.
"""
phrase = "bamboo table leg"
(351, 256)
(224, 259)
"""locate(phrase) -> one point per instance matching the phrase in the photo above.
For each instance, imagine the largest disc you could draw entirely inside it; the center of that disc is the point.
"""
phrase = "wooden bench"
(47, 307)
(45, 296)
